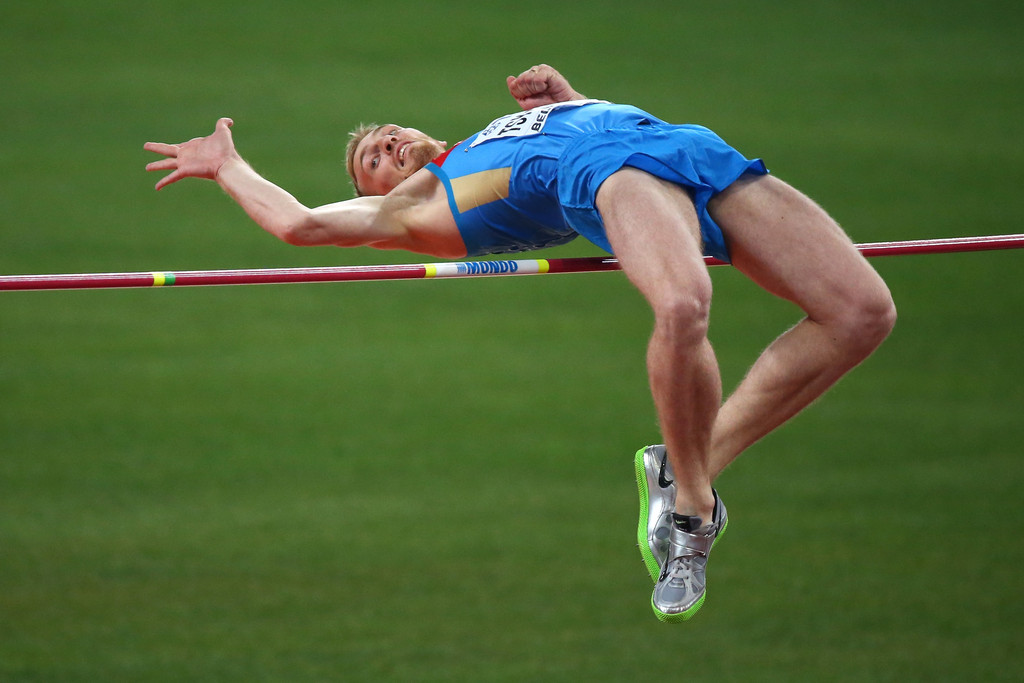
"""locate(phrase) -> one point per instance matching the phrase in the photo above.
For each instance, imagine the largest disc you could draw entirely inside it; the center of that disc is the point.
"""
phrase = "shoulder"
(418, 195)
(420, 206)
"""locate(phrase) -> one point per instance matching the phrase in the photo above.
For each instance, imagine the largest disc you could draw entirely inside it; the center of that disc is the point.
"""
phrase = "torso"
(497, 213)
(503, 183)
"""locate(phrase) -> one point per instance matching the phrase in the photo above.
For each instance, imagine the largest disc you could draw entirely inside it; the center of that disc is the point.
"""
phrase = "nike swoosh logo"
(663, 482)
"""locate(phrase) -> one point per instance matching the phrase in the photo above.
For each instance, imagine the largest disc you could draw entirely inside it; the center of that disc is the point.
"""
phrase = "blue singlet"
(530, 179)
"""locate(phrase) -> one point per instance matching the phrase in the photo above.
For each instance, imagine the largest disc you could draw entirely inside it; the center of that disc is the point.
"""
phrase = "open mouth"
(401, 152)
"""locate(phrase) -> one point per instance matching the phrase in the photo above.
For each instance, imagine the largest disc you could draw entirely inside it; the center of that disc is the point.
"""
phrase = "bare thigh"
(653, 228)
(788, 245)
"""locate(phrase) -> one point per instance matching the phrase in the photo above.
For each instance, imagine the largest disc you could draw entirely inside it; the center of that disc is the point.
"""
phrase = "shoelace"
(680, 571)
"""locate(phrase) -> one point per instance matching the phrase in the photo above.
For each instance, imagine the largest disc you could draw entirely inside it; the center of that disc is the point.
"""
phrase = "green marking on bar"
(163, 279)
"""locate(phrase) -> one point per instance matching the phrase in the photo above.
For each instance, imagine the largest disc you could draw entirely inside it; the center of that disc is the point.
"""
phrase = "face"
(389, 155)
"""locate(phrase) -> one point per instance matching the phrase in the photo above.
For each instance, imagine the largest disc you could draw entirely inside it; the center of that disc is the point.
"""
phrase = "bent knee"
(865, 321)
(684, 315)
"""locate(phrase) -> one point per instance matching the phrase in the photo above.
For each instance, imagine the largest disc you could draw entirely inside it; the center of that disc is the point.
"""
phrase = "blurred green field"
(432, 481)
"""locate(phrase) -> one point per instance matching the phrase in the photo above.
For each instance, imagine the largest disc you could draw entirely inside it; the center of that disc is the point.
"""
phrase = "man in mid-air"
(658, 196)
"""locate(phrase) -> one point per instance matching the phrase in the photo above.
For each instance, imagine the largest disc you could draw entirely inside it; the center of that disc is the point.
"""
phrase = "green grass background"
(431, 481)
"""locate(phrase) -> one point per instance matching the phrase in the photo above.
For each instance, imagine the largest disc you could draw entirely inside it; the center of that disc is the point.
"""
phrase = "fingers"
(168, 179)
(168, 164)
(539, 70)
(525, 85)
(534, 80)
(163, 182)
(223, 124)
(197, 158)
(161, 148)
(162, 165)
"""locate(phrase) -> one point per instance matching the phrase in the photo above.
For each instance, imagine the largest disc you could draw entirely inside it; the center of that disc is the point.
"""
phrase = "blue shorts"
(688, 155)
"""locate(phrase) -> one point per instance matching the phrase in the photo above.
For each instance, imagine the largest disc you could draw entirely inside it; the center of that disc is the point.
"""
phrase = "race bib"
(529, 122)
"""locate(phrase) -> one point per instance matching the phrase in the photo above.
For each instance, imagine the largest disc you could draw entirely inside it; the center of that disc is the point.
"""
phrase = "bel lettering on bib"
(529, 122)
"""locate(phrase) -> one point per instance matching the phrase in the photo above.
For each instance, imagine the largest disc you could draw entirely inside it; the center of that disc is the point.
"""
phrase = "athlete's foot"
(681, 585)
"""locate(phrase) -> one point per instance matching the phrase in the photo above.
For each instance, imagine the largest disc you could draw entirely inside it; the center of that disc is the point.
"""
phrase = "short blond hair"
(356, 136)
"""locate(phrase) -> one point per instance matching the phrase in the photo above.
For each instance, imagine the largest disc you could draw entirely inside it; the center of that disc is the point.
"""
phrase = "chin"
(421, 154)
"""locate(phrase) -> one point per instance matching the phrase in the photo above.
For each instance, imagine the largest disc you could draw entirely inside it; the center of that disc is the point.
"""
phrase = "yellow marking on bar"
(543, 266)
(159, 279)
(477, 189)
(431, 270)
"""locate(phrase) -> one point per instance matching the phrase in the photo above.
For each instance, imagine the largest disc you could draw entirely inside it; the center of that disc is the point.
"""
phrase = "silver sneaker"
(680, 588)
(657, 503)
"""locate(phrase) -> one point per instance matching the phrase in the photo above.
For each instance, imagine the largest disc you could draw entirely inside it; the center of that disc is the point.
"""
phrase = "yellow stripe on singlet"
(477, 189)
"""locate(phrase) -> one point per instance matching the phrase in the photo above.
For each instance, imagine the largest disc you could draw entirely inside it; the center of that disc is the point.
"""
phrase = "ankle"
(687, 523)
(704, 511)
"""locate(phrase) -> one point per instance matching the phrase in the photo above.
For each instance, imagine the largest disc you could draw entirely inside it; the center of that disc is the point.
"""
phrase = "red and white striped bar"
(266, 276)
(206, 278)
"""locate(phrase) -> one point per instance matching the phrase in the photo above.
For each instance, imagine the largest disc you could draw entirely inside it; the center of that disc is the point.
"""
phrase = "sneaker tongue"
(687, 523)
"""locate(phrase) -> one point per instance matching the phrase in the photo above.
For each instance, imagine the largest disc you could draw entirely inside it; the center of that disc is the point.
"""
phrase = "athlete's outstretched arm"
(355, 222)
(541, 85)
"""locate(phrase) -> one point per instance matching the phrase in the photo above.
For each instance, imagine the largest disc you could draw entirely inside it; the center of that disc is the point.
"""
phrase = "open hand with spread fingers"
(197, 158)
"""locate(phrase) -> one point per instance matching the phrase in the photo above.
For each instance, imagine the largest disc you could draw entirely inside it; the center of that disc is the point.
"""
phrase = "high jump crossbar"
(197, 278)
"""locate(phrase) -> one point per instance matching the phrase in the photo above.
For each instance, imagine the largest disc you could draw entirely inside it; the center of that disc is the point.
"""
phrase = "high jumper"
(659, 197)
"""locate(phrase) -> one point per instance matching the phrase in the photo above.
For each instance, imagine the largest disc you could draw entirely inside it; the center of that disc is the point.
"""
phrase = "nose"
(389, 143)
